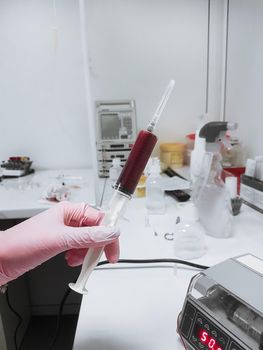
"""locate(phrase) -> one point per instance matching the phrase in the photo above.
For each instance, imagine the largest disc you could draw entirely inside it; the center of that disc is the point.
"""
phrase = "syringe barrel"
(117, 207)
(136, 162)
(125, 186)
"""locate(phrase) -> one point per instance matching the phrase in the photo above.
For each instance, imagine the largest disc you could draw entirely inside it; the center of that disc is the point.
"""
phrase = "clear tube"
(117, 207)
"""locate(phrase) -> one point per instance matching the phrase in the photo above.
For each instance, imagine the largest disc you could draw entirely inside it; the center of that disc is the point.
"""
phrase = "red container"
(237, 172)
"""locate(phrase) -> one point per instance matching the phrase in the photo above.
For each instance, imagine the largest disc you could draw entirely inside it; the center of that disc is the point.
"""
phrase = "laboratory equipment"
(259, 165)
(209, 192)
(251, 192)
(223, 308)
(16, 167)
(116, 132)
(179, 195)
(251, 188)
(124, 188)
(57, 192)
(236, 201)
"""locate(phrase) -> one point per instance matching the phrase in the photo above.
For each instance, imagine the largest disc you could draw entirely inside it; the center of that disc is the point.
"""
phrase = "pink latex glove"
(65, 227)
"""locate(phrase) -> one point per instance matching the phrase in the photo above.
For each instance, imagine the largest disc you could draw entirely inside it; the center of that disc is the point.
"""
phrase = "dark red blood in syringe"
(136, 162)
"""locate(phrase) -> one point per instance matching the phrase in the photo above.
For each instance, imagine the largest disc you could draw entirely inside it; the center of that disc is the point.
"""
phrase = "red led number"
(204, 336)
(211, 342)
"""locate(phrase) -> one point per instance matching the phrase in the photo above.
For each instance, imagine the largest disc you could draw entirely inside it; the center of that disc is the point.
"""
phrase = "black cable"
(66, 294)
(17, 315)
(152, 261)
(60, 311)
(126, 261)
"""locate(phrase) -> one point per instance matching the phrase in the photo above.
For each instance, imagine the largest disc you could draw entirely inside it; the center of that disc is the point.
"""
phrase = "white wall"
(42, 97)
(137, 46)
(244, 102)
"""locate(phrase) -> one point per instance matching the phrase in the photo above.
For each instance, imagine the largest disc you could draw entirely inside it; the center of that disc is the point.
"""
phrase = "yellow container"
(172, 154)
(141, 187)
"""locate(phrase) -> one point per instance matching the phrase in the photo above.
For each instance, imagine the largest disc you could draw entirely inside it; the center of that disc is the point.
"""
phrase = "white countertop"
(132, 307)
(21, 197)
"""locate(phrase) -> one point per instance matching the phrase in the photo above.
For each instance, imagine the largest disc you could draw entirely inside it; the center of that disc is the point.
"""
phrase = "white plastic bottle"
(155, 203)
(115, 170)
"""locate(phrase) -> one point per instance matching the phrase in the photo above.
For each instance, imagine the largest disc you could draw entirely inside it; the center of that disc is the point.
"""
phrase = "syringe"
(124, 188)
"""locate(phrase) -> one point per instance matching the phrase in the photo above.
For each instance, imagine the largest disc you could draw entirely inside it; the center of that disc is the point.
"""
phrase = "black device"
(223, 307)
(179, 195)
(16, 167)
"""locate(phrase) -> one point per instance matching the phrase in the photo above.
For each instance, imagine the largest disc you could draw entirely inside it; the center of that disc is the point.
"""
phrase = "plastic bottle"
(189, 235)
(198, 151)
(155, 203)
(209, 191)
(213, 204)
(115, 170)
(197, 154)
(233, 155)
(190, 142)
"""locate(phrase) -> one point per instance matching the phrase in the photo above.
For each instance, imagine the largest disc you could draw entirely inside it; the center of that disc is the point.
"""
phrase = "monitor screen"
(110, 126)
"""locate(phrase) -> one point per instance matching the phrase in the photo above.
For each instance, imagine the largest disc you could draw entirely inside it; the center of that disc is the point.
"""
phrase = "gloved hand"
(65, 227)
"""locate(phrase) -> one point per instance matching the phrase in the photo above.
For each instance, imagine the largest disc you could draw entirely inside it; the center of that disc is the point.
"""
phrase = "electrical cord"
(17, 315)
(60, 311)
(153, 261)
(66, 294)
(126, 261)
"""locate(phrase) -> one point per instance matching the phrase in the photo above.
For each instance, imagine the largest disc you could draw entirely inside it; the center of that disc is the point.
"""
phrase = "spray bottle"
(209, 192)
